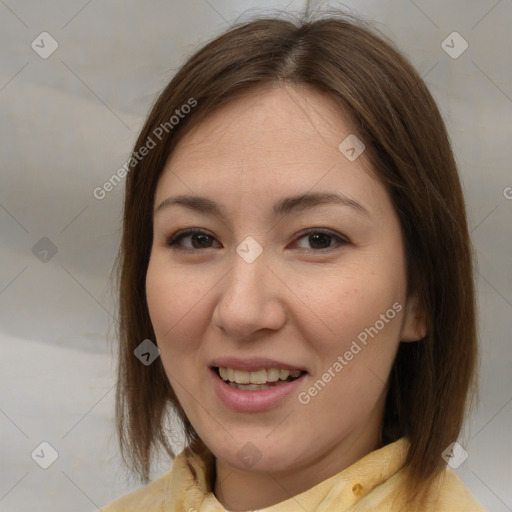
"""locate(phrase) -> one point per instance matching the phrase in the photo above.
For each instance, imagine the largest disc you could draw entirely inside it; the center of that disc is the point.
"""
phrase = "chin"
(257, 456)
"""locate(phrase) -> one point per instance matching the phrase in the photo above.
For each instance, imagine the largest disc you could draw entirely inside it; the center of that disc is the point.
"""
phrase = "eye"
(321, 239)
(198, 238)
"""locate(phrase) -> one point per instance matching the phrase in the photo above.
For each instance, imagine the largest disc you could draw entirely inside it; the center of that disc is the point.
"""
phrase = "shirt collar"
(190, 483)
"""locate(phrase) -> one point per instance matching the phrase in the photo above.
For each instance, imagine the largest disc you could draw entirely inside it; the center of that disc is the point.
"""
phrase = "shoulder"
(149, 498)
(454, 495)
(448, 494)
(186, 480)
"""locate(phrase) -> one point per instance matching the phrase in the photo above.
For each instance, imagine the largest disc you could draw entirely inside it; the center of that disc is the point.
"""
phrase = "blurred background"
(77, 79)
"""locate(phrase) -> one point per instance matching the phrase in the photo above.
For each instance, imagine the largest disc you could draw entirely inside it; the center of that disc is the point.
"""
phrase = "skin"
(302, 301)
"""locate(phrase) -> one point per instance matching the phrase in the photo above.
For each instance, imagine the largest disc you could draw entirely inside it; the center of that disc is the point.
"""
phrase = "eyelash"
(173, 241)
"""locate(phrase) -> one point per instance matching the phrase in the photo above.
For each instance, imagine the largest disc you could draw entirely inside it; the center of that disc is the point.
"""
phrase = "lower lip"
(254, 401)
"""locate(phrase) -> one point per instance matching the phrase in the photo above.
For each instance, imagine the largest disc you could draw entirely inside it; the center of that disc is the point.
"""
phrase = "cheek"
(354, 356)
(347, 304)
(175, 304)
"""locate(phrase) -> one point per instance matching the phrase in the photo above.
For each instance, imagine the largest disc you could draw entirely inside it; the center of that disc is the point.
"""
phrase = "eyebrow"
(286, 206)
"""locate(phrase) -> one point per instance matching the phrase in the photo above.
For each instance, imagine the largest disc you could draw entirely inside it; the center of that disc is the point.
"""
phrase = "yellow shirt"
(370, 484)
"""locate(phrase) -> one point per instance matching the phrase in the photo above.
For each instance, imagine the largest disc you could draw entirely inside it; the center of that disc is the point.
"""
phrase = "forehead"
(273, 118)
(273, 138)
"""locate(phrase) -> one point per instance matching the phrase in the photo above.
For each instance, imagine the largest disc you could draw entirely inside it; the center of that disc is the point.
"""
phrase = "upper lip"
(253, 364)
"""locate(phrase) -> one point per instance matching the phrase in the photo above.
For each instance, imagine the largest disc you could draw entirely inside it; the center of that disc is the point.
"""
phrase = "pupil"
(313, 239)
(201, 238)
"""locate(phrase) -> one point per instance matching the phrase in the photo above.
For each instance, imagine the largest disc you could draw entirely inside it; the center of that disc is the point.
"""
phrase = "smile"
(255, 391)
(256, 380)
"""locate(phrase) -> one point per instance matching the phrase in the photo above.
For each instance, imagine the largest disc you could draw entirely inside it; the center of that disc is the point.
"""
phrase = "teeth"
(248, 387)
(243, 377)
(272, 375)
(259, 377)
(284, 374)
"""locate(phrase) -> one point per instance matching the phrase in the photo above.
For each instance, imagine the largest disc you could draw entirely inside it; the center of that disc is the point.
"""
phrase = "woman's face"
(298, 265)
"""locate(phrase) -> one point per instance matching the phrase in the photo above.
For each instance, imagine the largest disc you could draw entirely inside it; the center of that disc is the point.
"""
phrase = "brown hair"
(408, 149)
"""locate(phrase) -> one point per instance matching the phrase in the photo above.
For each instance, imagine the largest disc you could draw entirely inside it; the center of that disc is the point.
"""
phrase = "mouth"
(258, 380)
(256, 384)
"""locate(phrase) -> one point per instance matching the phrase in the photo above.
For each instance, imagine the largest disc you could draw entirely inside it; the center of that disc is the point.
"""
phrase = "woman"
(295, 243)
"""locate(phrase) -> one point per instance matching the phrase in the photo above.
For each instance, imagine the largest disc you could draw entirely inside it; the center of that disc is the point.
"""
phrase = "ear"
(413, 326)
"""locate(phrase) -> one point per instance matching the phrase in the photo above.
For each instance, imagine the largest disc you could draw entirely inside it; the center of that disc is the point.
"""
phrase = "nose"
(251, 299)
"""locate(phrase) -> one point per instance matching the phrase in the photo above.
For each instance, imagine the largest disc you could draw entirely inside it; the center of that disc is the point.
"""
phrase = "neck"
(239, 491)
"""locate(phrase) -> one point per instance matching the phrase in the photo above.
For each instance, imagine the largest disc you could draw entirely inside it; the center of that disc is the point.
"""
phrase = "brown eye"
(322, 240)
(198, 239)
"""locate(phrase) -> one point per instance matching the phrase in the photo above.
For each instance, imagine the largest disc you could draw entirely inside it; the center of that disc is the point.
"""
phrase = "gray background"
(69, 122)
